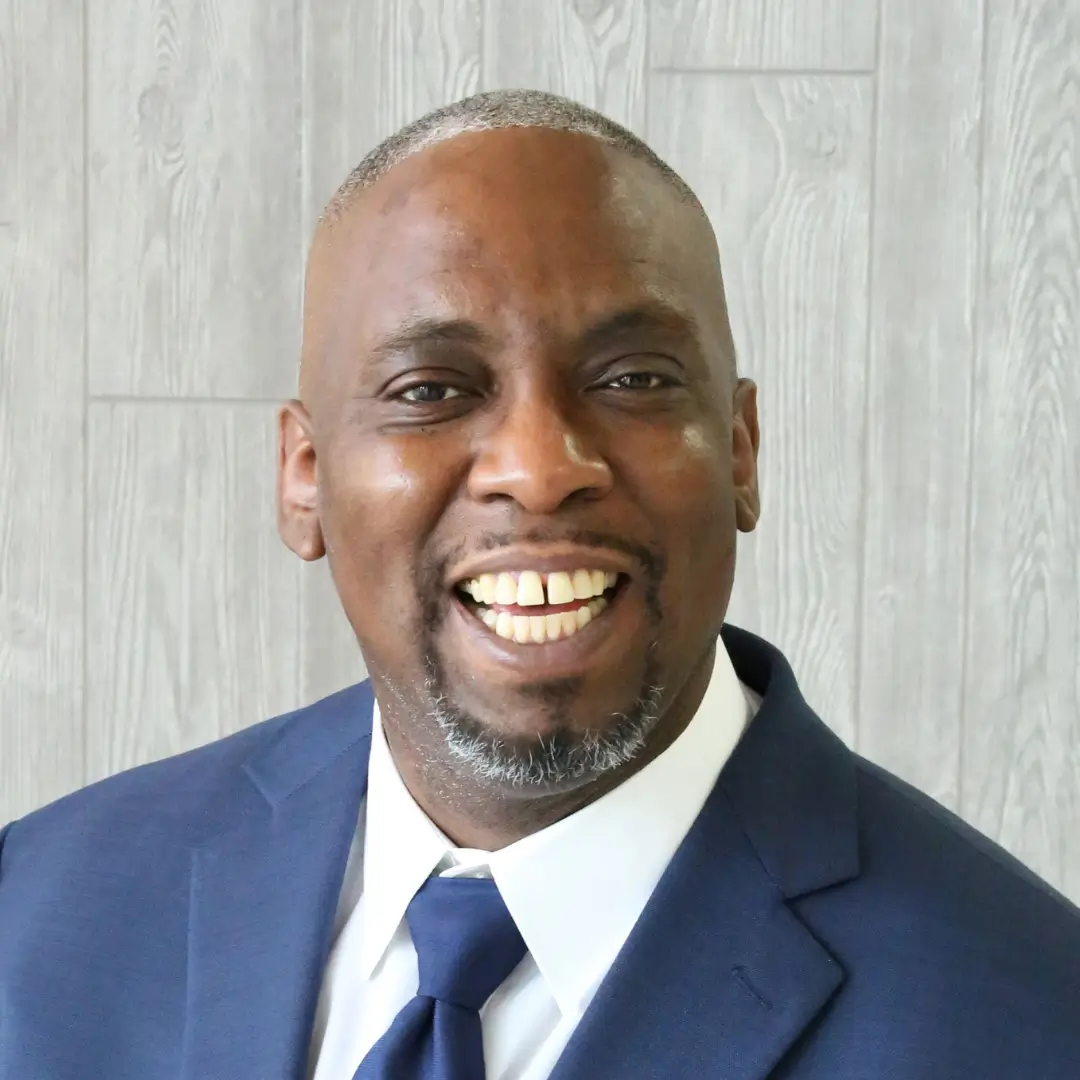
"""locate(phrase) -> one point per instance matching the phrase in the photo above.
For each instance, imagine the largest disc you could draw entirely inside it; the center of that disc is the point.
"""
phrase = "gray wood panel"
(330, 656)
(919, 370)
(194, 601)
(194, 230)
(1021, 733)
(42, 369)
(13, 54)
(837, 35)
(358, 91)
(919, 553)
(589, 50)
(782, 165)
(372, 67)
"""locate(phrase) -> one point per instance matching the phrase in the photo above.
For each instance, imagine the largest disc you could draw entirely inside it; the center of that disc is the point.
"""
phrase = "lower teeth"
(536, 629)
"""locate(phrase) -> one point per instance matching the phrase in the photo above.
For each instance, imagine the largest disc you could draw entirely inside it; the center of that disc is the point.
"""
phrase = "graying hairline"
(419, 136)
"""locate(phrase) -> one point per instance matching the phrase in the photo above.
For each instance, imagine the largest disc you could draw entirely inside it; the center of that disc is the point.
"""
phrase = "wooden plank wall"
(896, 189)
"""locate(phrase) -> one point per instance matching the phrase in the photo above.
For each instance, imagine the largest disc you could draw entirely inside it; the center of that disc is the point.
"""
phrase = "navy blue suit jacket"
(821, 921)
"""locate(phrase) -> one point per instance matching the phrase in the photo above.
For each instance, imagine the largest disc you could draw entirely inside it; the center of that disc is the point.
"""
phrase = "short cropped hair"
(488, 112)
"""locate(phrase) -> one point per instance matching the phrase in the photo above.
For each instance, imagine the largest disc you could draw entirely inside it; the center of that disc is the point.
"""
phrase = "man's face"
(527, 453)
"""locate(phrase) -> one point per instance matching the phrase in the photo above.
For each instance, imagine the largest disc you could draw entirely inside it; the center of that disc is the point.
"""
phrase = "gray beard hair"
(558, 761)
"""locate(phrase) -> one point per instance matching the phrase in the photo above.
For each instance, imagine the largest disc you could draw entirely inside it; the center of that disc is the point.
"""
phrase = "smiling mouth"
(529, 607)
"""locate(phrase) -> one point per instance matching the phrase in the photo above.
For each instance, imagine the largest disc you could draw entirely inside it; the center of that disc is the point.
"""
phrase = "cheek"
(378, 502)
(697, 442)
(690, 475)
(690, 500)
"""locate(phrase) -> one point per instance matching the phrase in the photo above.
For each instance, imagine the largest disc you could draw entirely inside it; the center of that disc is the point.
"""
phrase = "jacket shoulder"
(955, 953)
(928, 838)
(963, 954)
(170, 797)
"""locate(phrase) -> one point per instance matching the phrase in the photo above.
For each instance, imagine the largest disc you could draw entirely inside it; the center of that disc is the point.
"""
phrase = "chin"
(556, 744)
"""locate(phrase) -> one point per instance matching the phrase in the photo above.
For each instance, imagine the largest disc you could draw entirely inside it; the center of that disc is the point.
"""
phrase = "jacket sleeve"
(3, 833)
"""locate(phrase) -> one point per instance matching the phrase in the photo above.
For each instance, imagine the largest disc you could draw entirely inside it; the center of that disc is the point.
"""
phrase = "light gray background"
(895, 188)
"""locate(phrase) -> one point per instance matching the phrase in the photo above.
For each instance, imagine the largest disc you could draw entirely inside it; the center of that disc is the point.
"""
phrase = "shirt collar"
(402, 846)
(575, 889)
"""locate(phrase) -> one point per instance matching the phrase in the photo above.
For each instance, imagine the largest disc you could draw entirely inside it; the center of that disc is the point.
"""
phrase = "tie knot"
(466, 942)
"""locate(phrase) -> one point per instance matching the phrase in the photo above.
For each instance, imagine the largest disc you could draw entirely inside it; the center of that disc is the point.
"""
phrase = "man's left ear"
(745, 437)
(297, 484)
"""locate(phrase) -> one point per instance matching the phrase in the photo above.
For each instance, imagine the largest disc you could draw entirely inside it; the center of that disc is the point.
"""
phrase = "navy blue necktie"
(466, 945)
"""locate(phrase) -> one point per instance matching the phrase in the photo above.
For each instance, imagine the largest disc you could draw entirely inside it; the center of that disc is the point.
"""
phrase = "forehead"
(523, 230)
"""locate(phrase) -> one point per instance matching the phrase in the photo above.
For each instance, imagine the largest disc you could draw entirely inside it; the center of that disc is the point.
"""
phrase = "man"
(573, 826)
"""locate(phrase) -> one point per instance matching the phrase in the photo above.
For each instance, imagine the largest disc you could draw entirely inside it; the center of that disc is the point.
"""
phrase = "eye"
(429, 393)
(640, 380)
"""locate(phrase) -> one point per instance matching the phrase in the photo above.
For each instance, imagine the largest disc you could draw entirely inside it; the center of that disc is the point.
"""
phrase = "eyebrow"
(653, 316)
(427, 332)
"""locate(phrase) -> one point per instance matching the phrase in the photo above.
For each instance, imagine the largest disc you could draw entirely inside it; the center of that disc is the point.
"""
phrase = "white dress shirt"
(574, 889)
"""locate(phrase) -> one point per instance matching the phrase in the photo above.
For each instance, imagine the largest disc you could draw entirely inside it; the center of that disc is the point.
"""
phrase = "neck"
(475, 815)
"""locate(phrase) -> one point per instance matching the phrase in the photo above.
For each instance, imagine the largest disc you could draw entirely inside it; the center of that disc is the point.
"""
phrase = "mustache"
(649, 560)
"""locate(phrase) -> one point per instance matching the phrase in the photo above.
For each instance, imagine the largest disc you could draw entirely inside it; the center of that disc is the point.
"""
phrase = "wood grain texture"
(331, 657)
(832, 35)
(919, 553)
(920, 385)
(194, 197)
(782, 167)
(193, 608)
(42, 368)
(1021, 760)
(593, 51)
(372, 67)
(369, 69)
(12, 54)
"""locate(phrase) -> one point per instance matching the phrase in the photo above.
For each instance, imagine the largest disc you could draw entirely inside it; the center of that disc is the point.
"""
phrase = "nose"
(536, 456)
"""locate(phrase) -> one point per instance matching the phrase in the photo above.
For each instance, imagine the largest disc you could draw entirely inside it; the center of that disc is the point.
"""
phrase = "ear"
(744, 450)
(298, 484)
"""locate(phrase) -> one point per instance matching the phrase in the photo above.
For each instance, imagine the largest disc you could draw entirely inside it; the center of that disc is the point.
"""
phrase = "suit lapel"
(720, 977)
(264, 893)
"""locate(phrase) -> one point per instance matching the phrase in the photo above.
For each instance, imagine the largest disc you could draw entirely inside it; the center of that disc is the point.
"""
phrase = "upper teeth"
(527, 588)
